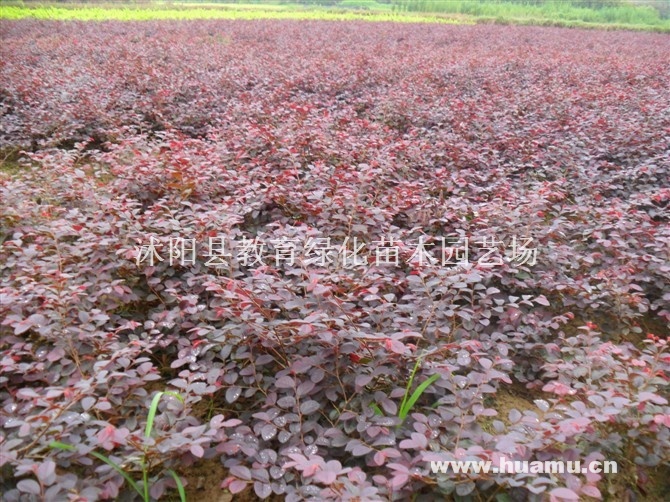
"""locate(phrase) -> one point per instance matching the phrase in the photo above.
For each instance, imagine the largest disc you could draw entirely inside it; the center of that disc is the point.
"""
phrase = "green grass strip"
(551, 13)
(93, 13)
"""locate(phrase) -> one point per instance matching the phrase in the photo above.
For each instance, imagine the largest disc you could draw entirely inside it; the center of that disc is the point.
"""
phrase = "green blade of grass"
(145, 478)
(410, 383)
(180, 486)
(68, 447)
(377, 409)
(120, 470)
(154, 407)
(404, 410)
(61, 446)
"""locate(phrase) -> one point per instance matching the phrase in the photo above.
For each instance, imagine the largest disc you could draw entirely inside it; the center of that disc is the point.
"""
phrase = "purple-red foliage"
(293, 375)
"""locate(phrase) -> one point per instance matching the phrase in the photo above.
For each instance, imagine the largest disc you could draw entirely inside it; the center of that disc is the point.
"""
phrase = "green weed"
(143, 491)
(409, 400)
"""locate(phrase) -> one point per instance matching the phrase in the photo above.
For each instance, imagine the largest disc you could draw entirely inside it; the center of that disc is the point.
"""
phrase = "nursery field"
(302, 260)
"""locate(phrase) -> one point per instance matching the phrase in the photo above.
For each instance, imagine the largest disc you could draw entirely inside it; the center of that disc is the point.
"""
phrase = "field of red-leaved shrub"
(345, 249)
